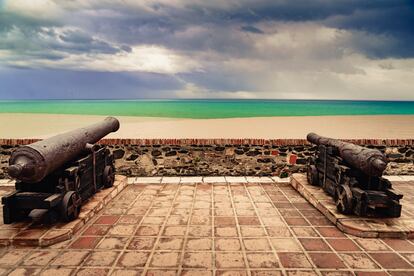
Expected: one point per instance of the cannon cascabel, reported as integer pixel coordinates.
(31, 163)
(371, 161)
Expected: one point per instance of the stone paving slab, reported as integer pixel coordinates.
(258, 179)
(7, 182)
(31, 234)
(207, 179)
(214, 179)
(236, 179)
(166, 180)
(402, 227)
(191, 179)
(211, 229)
(401, 178)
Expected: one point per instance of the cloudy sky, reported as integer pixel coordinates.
(281, 49)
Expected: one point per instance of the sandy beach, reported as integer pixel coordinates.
(46, 125)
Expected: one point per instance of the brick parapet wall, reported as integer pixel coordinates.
(203, 142)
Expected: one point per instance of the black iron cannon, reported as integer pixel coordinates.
(57, 175)
(352, 174)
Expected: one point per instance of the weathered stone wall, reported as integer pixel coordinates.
(170, 160)
(225, 157)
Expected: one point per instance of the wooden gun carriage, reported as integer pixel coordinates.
(352, 175)
(56, 176)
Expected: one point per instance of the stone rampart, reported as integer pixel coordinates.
(231, 157)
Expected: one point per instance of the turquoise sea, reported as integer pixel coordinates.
(209, 108)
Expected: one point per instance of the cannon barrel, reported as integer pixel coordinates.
(370, 161)
(31, 163)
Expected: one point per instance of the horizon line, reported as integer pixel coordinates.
(206, 99)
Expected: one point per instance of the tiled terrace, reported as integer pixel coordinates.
(212, 226)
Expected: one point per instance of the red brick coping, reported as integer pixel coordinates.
(401, 228)
(26, 234)
(275, 142)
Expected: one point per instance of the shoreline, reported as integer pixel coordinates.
(40, 125)
(185, 118)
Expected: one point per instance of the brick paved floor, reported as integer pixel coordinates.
(212, 229)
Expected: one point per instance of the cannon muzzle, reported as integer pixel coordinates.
(370, 161)
(15, 170)
(32, 163)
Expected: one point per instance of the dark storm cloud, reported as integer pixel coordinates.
(40, 37)
(76, 40)
(8, 20)
(394, 24)
(45, 84)
(395, 18)
(392, 19)
(305, 10)
(251, 29)
(41, 40)
(126, 25)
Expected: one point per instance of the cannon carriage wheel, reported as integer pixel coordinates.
(70, 206)
(108, 176)
(343, 199)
